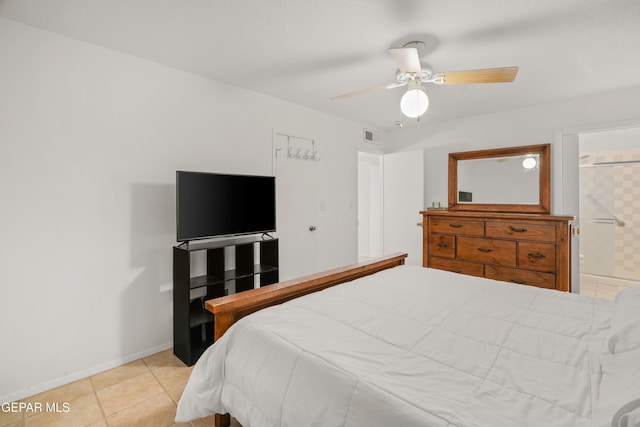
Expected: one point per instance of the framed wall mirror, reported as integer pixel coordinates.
(514, 179)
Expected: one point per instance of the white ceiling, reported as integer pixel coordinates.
(306, 51)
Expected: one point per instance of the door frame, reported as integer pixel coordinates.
(565, 181)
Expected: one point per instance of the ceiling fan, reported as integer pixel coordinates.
(410, 73)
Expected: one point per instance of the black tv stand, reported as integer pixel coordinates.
(211, 269)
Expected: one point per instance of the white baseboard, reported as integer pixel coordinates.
(39, 388)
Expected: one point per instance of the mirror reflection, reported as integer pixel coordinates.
(500, 180)
(511, 179)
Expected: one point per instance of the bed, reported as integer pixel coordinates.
(400, 345)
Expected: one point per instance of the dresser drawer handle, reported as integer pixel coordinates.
(455, 225)
(517, 230)
(487, 250)
(456, 271)
(536, 255)
(443, 245)
(518, 281)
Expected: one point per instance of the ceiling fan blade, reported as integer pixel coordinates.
(486, 75)
(370, 90)
(407, 59)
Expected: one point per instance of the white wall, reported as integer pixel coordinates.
(538, 124)
(618, 139)
(90, 140)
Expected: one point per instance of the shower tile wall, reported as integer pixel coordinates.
(610, 249)
(627, 255)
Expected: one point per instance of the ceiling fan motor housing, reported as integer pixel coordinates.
(424, 75)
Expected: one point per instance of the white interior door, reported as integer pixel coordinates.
(403, 201)
(370, 199)
(296, 210)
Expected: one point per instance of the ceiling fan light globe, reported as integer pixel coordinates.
(414, 102)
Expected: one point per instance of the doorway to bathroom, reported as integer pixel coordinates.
(609, 183)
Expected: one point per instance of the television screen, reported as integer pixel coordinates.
(212, 204)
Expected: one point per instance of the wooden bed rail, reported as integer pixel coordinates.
(229, 309)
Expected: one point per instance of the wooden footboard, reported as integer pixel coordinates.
(229, 309)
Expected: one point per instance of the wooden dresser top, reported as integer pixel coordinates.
(498, 215)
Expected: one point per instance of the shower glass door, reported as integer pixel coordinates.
(609, 218)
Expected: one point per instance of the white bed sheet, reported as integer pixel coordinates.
(412, 346)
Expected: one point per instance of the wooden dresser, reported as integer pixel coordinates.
(520, 248)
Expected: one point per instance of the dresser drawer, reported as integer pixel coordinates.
(442, 245)
(522, 277)
(454, 226)
(537, 256)
(463, 267)
(522, 248)
(491, 251)
(522, 231)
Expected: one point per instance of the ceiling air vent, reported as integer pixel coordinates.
(372, 137)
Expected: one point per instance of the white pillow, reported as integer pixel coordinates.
(619, 390)
(629, 296)
(628, 415)
(624, 334)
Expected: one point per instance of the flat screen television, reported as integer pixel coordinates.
(212, 205)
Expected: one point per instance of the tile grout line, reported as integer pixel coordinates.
(163, 388)
(95, 393)
(106, 419)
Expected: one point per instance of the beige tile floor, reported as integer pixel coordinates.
(140, 393)
(594, 289)
(598, 291)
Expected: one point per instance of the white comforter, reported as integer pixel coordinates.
(412, 346)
